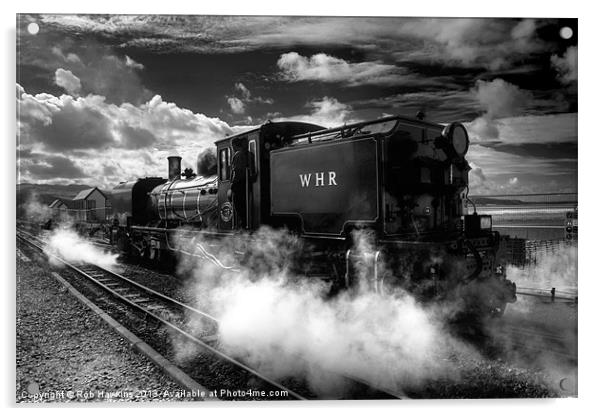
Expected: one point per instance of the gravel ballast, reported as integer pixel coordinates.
(487, 376)
(66, 353)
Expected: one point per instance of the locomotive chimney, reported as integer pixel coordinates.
(174, 167)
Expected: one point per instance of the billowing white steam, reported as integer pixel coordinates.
(68, 245)
(286, 326)
(36, 211)
(556, 269)
(284, 330)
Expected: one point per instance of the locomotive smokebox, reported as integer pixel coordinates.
(174, 167)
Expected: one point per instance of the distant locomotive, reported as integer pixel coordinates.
(401, 182)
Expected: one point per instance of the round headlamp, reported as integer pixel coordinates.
(458, 137)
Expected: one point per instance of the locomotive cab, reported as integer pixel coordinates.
(259, 142)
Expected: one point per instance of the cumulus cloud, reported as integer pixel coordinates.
(566, 65)
(478, 180)
(52, 167)
(133, 64)
(124, 140)
(497, 99)
(236, 105)
(244, 91)
(326, 68)
(70, 57)
(69, 82)
(243, 96)
(500, 98)
(327, 112)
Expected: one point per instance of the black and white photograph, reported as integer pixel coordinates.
(226, 208)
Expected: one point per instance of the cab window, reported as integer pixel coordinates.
(224, 163)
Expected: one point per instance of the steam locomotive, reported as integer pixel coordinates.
(398, 183)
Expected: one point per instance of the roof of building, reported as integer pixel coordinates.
(87, 192)
(57, 203)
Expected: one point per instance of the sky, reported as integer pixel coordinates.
(106, 98)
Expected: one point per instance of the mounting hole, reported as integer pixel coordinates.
(33, 28)
(566, 32)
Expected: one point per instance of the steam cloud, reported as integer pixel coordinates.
(35, 210)
(556, 269)
(68, 245)
(286, 326)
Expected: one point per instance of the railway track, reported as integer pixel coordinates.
(182, 318)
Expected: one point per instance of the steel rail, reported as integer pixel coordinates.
(169, 324)
(353, 378)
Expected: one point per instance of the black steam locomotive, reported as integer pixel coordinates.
(400, 184)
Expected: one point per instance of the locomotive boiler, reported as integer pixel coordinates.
(398, 184)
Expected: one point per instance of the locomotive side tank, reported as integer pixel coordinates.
(326, 186)
(395, 175)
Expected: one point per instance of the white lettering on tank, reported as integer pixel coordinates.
(319, 178)
(305, 178)
(331, 176)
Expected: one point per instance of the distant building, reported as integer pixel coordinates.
(58, 204)
(90, 205)
(59, 208)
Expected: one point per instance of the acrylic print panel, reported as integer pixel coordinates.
(284, 208)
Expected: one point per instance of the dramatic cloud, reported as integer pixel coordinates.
(70, 57)
(477, 178)
(51, 167)
(87, 98)
(566, 65)
(133, 64)
(491, 43)
(326, 68)
(113, 142)
(531, 154)
(497, 98)
(244, 91)
(440, 106)
(236, 105)
(68, 81)
(473, 42)
(500, 98)
(98, 68)
(327, 112)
